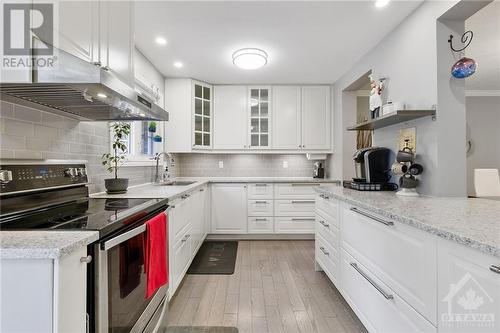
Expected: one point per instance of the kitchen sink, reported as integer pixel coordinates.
(177, 183)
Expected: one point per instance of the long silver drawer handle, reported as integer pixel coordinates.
(303, 219)
(326, 225)
(323, 250)
(302, 201)
(305, 184)
(260, 219)
(367, 278)
(261, 202)
(389, 223)
(495, 269)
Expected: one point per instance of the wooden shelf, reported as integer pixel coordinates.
(393, 118)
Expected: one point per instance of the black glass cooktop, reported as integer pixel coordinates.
(104, 215)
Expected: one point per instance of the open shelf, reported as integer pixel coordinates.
(399, 116)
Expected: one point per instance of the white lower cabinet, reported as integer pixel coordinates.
(293, 225)
(260, 225)
(229, 208)
(378, 307)
(181, 256)
(468, 289)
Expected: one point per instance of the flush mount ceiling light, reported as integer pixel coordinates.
(381, 3)
(249, 58)
(178, 64)
(161, 41)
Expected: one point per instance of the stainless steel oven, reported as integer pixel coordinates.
(120, 284)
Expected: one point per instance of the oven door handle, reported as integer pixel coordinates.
(123, 237)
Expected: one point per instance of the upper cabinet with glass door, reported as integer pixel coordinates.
(202, 99)
(260, 116)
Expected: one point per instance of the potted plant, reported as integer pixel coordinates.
(113, 160)
(152, 126)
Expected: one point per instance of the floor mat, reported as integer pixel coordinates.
(215, 257)
(201, 329)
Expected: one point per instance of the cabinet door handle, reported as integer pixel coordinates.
(495, 269)
(323, 250)
(324, 224)
(97, 63)
(185, 196)
(86, 260)
(202, 189)
(260, 219)
(384, 222)
(261, 202)
(302, 201)
(299, 146)
(373, 283)
(302, 219)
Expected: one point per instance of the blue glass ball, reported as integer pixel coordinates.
(463, 68)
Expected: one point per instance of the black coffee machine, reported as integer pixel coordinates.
(373, 169)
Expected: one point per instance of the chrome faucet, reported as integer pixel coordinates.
(165, 177)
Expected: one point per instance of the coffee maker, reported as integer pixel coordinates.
(318, 170)
(373, 169)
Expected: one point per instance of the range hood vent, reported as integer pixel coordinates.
(83, 91)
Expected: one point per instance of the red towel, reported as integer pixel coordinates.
(155, 254)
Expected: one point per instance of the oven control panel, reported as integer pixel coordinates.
(26, 177)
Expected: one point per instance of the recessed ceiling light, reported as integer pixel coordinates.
(249, 58)
(161, 41)
(381, 3)
(178, 64)
(101, 95)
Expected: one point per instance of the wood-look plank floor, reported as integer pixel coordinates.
(274, 289)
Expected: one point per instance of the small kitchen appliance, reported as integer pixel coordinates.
(373, 169)
(318, 170)
(53, 196)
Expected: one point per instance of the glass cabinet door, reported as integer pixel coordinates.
(202, 115)
(259, 117)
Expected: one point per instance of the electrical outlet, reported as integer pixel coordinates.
(285, 164)
(221, 164)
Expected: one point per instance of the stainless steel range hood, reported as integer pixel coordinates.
(82, 91)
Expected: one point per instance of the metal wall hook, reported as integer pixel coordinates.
(466, 39)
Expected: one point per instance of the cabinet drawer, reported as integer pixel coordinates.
(295, 191)
(260, 225)
(328, 231)
(328, 257)
(178, 218)
(377, 306)
(260, 208)
(327, 207)
(294, 207)
(180, 258)
(294, 225)
(260, 191)
(402, 256)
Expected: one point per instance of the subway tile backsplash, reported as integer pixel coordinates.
(243, 165)
(27, 133)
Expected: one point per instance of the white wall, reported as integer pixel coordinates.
(408, 56)
(483, 120)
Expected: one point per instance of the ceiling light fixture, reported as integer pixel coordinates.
(381, 3)
(161, 41)
(249, 58)
(178, 64)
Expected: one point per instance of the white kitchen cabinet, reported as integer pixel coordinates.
(148, 80)
(401, 256)
(116, 38)
(300, 191)
(196, 204)
(51, 293)
(179, 259)
(468, 289)
(286, 129)
(260, 225)
(294, 225)
(259, 111)
(229, 208)
(203, 115)
(260, 191)
(231, 117)
(316, 117)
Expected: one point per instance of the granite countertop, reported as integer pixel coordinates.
(153, 191)
(43, 244)
(471, 222)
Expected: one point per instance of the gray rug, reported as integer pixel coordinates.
(201, 329)
(215, 257)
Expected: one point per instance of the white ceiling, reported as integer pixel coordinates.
(307, 42)
(485, 48)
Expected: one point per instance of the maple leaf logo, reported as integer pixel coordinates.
(470, 301)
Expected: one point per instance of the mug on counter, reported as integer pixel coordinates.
(399, 168)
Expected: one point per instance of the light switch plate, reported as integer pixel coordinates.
(221, 164)
(409, 134)
(285, 164)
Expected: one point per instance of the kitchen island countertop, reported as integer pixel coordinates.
(471, 222)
